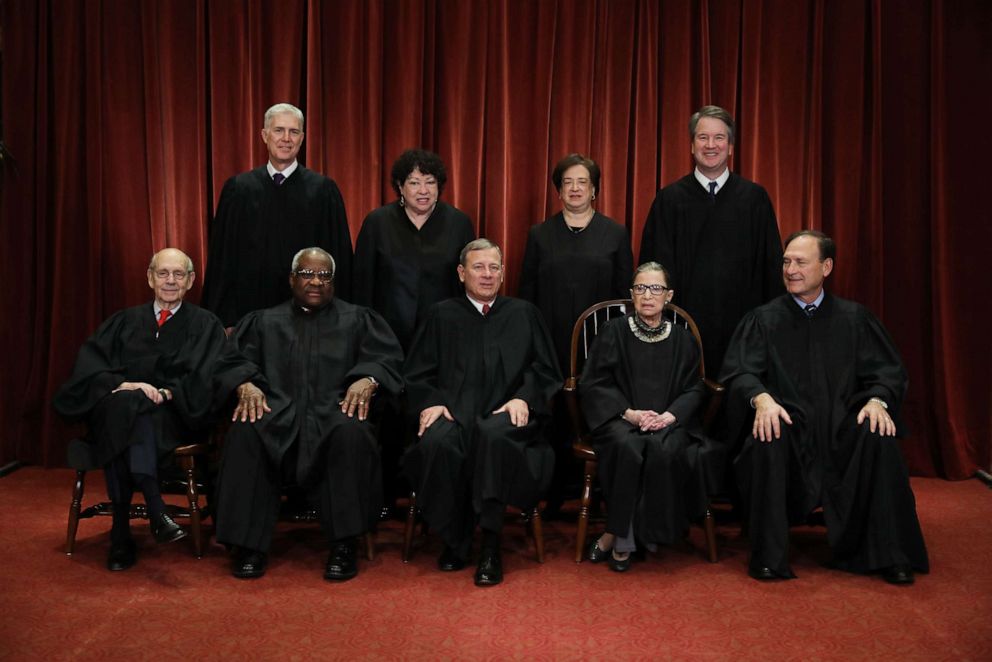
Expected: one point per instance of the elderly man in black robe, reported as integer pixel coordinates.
(264, 216)
(826, 385)
(480, 371)
(314, 364)
(145, 383)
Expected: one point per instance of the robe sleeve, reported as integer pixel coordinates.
(743, 370)
(340, 233)
(365, 267)
(771, 245)
(529, 272)
(542, 378)
(600, 395)
(880, 371)
(379, 354)
(96, 372)
(656, 241)
(623, 266)
(221, 267)
(422, 365)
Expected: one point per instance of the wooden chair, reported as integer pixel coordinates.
(585, 330)
(80, 458)
(531, 521)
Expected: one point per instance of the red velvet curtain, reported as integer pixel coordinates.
(863, 118)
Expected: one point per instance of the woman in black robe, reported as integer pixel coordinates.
(640, 390)
(574, 259)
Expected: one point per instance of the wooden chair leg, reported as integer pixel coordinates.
(411, 517)
(710, 528)
(74, 507)
(369, 539)
(193, 496)
(580, 543)
(537, 530)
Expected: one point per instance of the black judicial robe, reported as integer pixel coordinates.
(725, 257)
(305, 362)
(565, 272)
(258, 229)
(189, 355)
(823, 370)
(473, 364)
(661, 485)
(401, 271)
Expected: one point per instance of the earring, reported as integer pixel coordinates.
(402, 202)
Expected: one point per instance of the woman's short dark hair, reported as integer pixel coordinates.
(574, 160)
(426, 162)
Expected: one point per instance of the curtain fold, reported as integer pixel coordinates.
(858, 117)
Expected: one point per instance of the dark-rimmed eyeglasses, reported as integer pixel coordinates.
(641, 289)
(310, 274)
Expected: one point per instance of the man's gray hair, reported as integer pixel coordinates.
(481, 244)
(313, 250)
(189, 261)
(279, 109)
(716, 112)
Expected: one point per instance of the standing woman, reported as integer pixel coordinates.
(574, 259)
(406, 256)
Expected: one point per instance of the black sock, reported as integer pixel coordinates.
(490, 540)
(153, 498)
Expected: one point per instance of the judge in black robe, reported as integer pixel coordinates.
(827, 386)
(481, 371)
(724, 251)
(143, 388)
(260, 224)
(315, 363)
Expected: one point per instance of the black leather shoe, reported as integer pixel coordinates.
(449, 561)
(620, 565)
(490, 569)
(342, 562)
(122, 555)
(763, 574)
(898, 574)
(249, 564)
(165, 529)
(597, 555)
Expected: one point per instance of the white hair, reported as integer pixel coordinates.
(279, 109)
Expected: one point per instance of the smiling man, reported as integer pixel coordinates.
(145, 383)
(314, 365)
(480, 371)
(267, 214)
(821, 385)
(717, 233)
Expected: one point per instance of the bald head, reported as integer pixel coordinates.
(170, 275)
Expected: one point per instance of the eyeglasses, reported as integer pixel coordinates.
(164, 275)
(310, 274)
(641, 289)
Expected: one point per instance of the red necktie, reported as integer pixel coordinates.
(485, 309)
(163, 315)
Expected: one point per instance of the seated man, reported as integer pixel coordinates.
(481, 370)
(826, 385)
(144, 384)
(314, 363)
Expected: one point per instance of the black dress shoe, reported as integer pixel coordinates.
(165, 529)
(122, 555)
(763, 574)
(249, 563)
(449, 561)
(597, 555)
(490, 569)
(620, 565)
(898, 574)
(342, 562)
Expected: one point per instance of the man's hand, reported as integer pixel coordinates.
(251, 403)
(518, 410)
(878, 419)
(431, 414)
(358, 397)
(767, 416)
(150, 391)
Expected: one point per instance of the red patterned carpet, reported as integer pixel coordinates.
(673, 606)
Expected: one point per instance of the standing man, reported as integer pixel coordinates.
(313, 365)
(481, 371)
(264, 217)
(716, 232)
(145, 383)
(824, 384)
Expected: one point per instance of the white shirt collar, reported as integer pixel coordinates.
(816, 302)
(478, 304)
(704, 181)
(286, 172)
(157, 308)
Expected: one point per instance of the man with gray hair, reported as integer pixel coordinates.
(481, 371)
(312, 366)
(146, 382)
(267, 214)
(717, 233)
